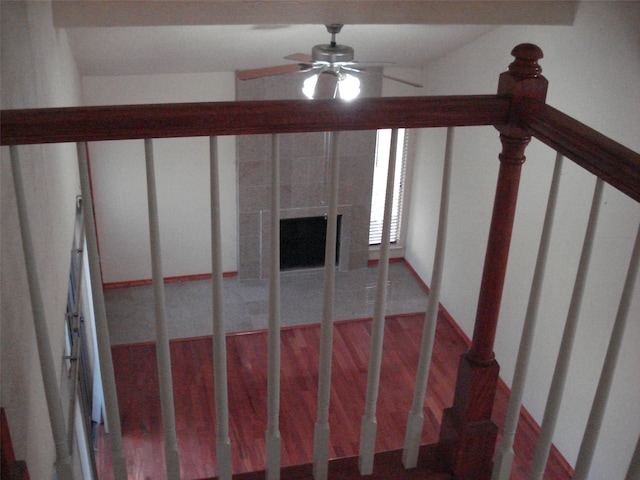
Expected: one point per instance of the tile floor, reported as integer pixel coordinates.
(189, 304)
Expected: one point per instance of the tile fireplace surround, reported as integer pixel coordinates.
(304, 179)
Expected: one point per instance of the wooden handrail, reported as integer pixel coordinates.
(616, 164)
(75, 124)
(605, 158)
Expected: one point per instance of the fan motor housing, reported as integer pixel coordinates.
(332, 53)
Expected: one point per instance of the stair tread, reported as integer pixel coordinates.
(388, 466)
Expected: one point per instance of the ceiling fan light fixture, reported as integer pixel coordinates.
(309, 85)
(332, 61)
(332, 54)
(348, 86)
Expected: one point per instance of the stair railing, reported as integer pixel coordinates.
(468, 435)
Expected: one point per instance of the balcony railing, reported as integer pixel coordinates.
(468, 436)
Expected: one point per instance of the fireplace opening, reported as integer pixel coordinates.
(302, 242)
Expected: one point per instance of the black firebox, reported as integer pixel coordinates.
(302, 242)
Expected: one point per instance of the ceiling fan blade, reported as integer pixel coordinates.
(270, 71)
(327, 86)
(300, 57)
(389, 77)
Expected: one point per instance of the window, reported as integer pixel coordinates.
(383, 146)
(80, 375)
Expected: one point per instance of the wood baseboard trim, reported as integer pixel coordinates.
(179, 278)
(265, 330)
(443, 311)
(374, 261)
(527, 418)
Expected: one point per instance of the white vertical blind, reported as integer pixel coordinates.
(383, 151)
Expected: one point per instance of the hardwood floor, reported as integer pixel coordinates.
(137, 383)
(388, 466)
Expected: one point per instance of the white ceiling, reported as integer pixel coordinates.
(183, 36)
(142, 50)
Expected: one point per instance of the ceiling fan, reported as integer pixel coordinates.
(333, 65)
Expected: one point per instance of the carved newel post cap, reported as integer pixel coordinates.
(526, 86)
(526, 63)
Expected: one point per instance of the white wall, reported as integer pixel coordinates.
(182, 176)
(37, 71)
(593, 68)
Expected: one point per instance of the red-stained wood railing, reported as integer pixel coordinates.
(614, 163)
(86, 124)
(602, 156)
(518, 111)
(468, 435)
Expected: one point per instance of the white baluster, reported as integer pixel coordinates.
(118, 461)
(368, 425)
(592, 430)
(415, 421)
(505, 454)
(558, 381)
(321, 430)
(633, 473)
(273, 439)
(223, 443)
(45, 355)
(163, 353)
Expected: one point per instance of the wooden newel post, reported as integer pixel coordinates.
(468, 435)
